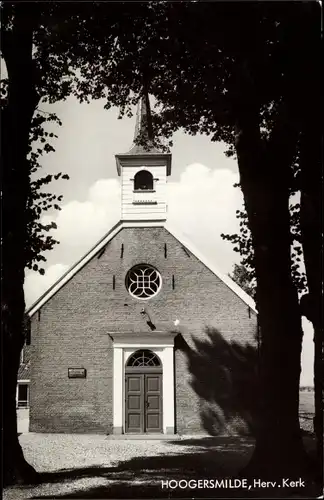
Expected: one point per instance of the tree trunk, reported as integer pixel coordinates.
(279, 450)
(264, 179)
(16, 121)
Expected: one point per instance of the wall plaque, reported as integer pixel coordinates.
(77, 372)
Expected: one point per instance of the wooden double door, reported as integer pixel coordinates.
(143, 398)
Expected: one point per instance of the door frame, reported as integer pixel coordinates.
(144, 371)
(124, 345)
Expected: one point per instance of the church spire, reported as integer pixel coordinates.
(144, 170)
(143, 142)
(143, 119)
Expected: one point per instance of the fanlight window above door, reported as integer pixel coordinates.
(144, 358)
(143, 181)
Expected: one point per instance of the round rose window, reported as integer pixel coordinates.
(143, 281)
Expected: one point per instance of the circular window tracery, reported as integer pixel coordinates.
(143, 281)
(143, 357)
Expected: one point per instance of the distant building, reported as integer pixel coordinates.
(22, 392)
(143, 334)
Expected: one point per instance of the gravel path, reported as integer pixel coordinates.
(96, 465)
(93, 466)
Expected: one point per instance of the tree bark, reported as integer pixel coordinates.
(16, 121)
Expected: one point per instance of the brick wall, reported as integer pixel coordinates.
(71, 329)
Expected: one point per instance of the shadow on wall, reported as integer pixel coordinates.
(224, 377)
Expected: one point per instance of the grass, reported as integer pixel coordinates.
(306, 402)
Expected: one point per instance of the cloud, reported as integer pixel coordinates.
(202, 205)
(81, 224)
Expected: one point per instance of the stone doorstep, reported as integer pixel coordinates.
(144, 437)
(171, 437)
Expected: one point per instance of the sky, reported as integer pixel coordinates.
(201, 198)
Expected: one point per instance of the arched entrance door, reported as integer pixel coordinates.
(143, 391)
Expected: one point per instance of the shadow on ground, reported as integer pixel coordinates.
(141, 477)
(205, 455)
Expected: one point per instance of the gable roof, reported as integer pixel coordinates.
(110, 235)
(24, 371)
(210, 265)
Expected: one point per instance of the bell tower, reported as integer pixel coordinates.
(143, 171)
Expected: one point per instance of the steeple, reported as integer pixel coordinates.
(143, 170)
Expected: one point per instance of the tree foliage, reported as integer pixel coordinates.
(242, 277)
(38, 202)
(242, 244)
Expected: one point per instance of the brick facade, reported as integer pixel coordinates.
(212, 351)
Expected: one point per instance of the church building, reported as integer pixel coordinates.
(143, 335)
